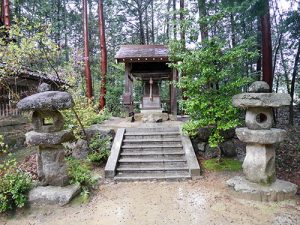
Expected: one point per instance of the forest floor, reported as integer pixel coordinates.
(207, 200)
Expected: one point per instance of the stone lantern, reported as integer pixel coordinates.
(48, 135)
(260, 181)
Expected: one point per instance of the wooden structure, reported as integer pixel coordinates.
(147, 63)
(15, 87)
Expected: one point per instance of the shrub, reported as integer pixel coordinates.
(14, 184)
(80, 173)
(14, 187)
(87, 113)
(100, 149)
(211, 74)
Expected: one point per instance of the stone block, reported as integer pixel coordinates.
(155, 117)
(278, 191)
(259, 87)
(259, 118)
(249, 100)
(97, 129)
(52, 168)
(49, 100)
(271, 136)
(259, 164)
(34, 138)
(81, 149)
(38, 121)
(229, 148)
(201, 146)
(53, 195)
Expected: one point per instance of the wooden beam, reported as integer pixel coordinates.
(174, 94)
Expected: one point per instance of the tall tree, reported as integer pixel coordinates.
(6, 13)
(181, 18)
(202, 15)
(103, 55)
(87, 69)
(174, 20)
(266, 45)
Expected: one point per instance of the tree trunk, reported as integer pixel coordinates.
(295, 70)
(103, 55)
(202, 14)
(266, 47)
(181, 18)
(258, 62)
(87, 69)
(285, 71)
(141, 27)
(65, 31)
(6, 14)
(152, 22)
(275, 54)
(168, 20)
(174, 20)
(232, 26)
(147, 26)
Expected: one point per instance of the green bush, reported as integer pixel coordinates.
(100, 149)
(80, 173)
(211, 75)
(14, 187)
(14, 184)
(87, 113)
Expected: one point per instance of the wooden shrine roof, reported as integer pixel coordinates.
(142, 53)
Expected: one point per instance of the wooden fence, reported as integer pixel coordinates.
(9, 99)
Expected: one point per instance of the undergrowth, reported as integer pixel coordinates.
(224, 164)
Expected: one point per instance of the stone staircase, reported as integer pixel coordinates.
(161, 153)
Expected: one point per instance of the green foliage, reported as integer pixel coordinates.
(80, 173)
(211, 74)
(87, 113)
(26, 48)
(222, 165)
(14, 184)
(100, 149)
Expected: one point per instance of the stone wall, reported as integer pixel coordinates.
(13, 129)
(231, 147)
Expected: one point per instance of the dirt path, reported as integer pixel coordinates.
(205, 201)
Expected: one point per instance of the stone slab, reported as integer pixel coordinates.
(248, 100)
(53, 194)
(52, 167)
(271, 136)
(49, 100)
(34, 138)
(259, 87)
(280, 190)
(111, 165)
(259, 163)
(190, 156)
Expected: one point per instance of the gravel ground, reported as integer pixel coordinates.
(204, 201)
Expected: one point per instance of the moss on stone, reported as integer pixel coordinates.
(224, 164)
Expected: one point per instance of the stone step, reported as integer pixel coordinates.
(146, 170)
(153, 156)
(156, 149)
(151, 160)
(160, 139)
(152, 164)
(153, 175)
(153, 151)
(143, 154)
(133, 136)
(152, 146)
(151, 129)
